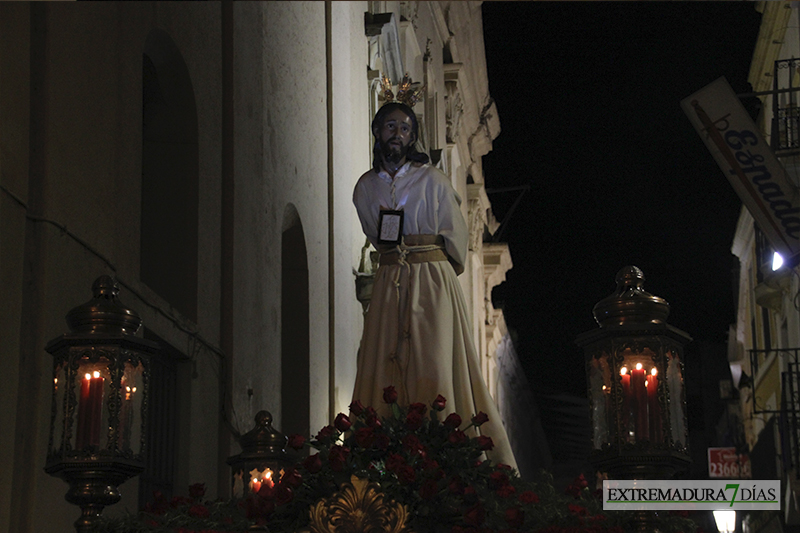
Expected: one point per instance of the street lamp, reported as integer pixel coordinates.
(634, 366)
(726, 521)
(100, 393)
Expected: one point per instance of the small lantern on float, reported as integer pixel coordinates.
(100, 391)
(634, 368)
(263, 458)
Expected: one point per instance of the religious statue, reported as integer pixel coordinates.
(417, 332)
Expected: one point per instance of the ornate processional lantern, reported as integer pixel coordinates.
(100, 391)
(263, 458)
(634, 369)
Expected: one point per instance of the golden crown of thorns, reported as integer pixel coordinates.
(405, 93)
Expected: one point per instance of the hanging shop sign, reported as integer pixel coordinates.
(747, 161)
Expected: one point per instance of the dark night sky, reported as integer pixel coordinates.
(589, 95)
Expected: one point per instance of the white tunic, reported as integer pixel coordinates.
(417, 334)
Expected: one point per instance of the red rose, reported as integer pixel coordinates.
(428, 489)
(417, 408)
(337, 457)
(357, 407)
(529, 497)
(456, 437)
(296, 441)
(452, 420)
(200, 511)
(266, 492)
(373, 421)
(394, 462)
(283, 494)
(342, 422)
(382, 441)
(578, 510)
(259, 508)
(313, 463)
(485, 443)
(429, 465)
(389, 394)
(413, 420)
(506, 491)
(470, 495)
(325, 433)
(475, 515)
(365, 437)
(292, 478)
(480, 418)
(515, 517)
(456, 486)
(439, 403)
(406, 474)
(498, 479)
(177, 501)
(197, 491)
(412, 444)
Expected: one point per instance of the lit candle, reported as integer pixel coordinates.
(258, 479)
(626, 399)
(653, 408)
(96, 408)
(126, 416)
(639, 391)
(84, 418)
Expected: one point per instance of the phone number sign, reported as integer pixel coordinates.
(726, 463)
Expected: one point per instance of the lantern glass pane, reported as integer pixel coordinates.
(600, 394)
(675, 383)
(92, 385)
(130, 416)
(60, 422)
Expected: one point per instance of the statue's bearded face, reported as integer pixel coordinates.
(396, 135)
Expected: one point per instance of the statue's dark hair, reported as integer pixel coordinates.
(413, 154)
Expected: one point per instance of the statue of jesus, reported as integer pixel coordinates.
(417, 333)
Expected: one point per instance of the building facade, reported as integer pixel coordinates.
(204, 155)
(764, 344)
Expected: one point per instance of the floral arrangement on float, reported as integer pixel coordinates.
(422, 469)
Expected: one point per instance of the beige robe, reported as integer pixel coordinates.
(417, 333)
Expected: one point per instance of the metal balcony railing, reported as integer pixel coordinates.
(785, 133)
(789, 419)
(788, 413)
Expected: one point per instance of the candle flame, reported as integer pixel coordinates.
(88, 376)
(604, 387)
(654, 371)
(623, 370)
(638, 366)
(128, 389)
(268, 474)
(646, 382)
(96, 374)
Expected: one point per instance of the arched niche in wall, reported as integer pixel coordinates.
(170, 168)
(295, 381)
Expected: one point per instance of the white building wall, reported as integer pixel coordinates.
(351, 157)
